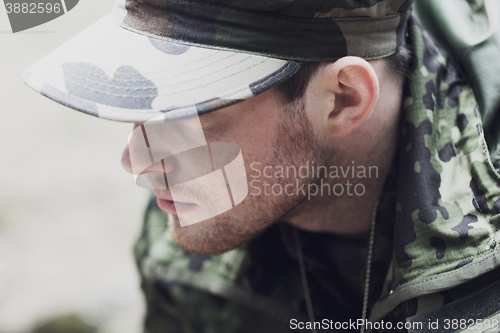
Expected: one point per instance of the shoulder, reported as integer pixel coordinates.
(472, 307)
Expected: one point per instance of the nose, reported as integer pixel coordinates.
(125, 160)
(175, 151)
(136, 156)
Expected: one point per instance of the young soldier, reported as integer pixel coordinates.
(369, 201)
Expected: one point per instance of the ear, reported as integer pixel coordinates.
(355, 87)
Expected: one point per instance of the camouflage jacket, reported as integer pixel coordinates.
(435, 252)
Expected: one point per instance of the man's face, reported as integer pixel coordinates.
(269, 135)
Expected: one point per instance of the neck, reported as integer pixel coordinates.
(349, 213)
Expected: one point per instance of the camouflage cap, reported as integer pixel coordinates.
(170, 57)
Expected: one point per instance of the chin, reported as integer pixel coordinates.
(213, 236)
(233, 228)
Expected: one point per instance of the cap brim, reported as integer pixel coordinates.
(113, 73)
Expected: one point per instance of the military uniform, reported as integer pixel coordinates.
(435, 252)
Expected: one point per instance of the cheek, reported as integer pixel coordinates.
(257, 138)
(252, 125)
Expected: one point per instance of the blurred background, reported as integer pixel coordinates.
(69, 214)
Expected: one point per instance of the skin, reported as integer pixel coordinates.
(349, 112)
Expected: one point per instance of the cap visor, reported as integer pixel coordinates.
(113, 73)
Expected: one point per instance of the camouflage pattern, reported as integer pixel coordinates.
(470, 31)
(170, 57)
(175, 79)
(323, 30)
(436, 233)
(447, 212)
(248, 289)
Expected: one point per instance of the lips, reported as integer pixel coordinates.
(166, 203)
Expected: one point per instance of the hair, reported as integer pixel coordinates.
(294, 88)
